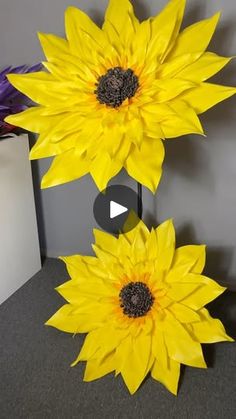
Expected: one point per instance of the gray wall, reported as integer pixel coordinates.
(199, 182)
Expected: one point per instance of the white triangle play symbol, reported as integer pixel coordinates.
(116, 209)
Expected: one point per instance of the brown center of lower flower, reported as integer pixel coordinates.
(136, 299)
(115, 86)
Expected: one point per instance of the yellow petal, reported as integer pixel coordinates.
(151, 245)
(103, 169)
(77, 22)
(183, 314)
(140, 44)
(165, 233)
(183, 120)
(179, 291)
(208, 330)
(76, 266)
(106, 241)
(130, 234)
(65, 168)
(122, 18)
(204, 68)
(96, 369)
(103, 256)
(171, 88)
(195, 38)
(99, 343)
(204, 294)
(170, 68)
(180, 345)
(144, 164)
(89, 348)
(168, 376)
(165, 28)
(41, 87)
(32, 119)
(53, 45)
(138, 249)
(67, 320)
(207, 95)
(191, 257)
(76, 292)
(159, 348)
(44, 148)
(135, 365)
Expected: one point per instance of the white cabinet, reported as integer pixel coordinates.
(19, 244)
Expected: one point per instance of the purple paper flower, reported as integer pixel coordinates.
(11, 100)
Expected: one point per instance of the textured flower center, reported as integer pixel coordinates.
(115, 86)
(136, 299)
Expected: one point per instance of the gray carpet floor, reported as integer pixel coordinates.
(36, 380)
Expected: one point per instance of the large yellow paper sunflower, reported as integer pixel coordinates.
(142, 303)
(111, 95)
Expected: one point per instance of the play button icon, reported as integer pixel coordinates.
(114, 205)
(116, 209)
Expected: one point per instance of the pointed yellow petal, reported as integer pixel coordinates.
(204, 294)
(179, 291)
(140, 44)
(183, 120)
(41, 87)
(159, 349)
(44, 148)
(171, 88)
(32, 119)
(96, 368)
(89, 348)
(67, 320)
(208, 330)
(78, 24)
(151, 245)
(165, 28)
(121, 17)
(65, 168)
(195, 38)
(76, 292)
(168, 376)
(183, 314)
(135, 366)
(204, 68)
(144, 165)
(105, 257)
(106, 241)
(207, 95)
(130, 234)
(103, 168)
(170, 68)
(180, 345)
(191, 257)
(53, 45)
(81, 268)
(165, 233)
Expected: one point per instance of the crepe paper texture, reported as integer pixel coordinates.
(141, 301)
(11, 100)
(111, 95)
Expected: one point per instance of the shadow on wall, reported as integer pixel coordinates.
(38, 198)
(218, 259)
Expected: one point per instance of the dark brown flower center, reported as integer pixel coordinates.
(136, 299)
(115, 86)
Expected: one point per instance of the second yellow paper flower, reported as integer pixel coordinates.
(141, 301)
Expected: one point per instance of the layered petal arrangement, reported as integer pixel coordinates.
(11, 100)
(141, 301)
(111, 95)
